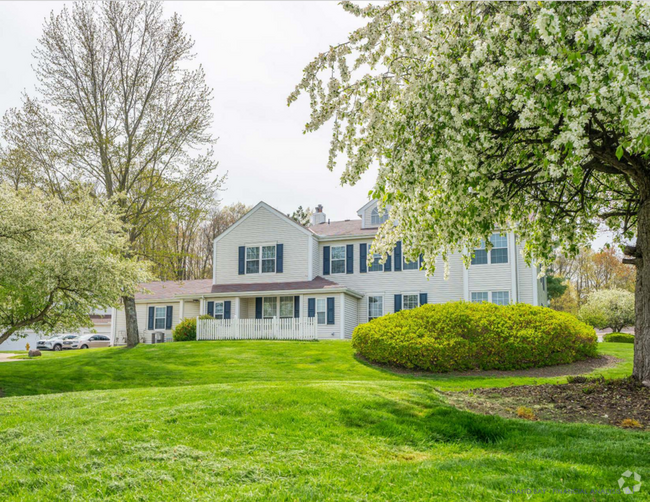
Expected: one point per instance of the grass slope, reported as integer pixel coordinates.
(280, 421)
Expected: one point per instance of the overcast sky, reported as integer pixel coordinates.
(253, 54)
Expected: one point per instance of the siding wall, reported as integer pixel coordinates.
(142, 311)
(325, 331)
(263, 227)
(351, 315)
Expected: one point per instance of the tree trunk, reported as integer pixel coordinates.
(641, 369)
(132, 337)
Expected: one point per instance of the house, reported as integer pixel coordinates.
(268, 266)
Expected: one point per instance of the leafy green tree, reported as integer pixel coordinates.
(119, 108)
(301, 216)
(529, 117)
(609, 308)
(555, 286)
(60, 261)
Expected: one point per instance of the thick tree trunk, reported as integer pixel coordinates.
(641, 369)
(132, 337)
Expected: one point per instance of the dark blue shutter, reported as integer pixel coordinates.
(398, 303)
(349, 258)
(296, 306)
(151, 314)
(311, 307)
(258, 307)
(211, 309)
(363, 257)
(279, 258)
(398, 256)
(330, 311)
(420, 259)
(226, 309)
(423, 299)
(326, 260)
(242, 260)
(168, 320)
(387, 265)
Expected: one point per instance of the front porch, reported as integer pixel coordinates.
(297, 328)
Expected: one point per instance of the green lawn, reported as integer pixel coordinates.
(282, 421)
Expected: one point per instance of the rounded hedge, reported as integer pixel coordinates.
(619, 338)
(185, 331)
(466, 336)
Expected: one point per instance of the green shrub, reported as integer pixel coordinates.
(619, 338)
(608, 308)
(185, 330)
(466, 336)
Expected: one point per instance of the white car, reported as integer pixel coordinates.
(56, 342)
(89, 341)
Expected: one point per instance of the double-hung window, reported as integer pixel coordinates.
(499, 251)
(375, 307)
(410, 265)
(160, 318)
(270, 307)
(479, 296)
(501, 297)
(286, 306)
(260, 258)
(410, 301)
(376, 265)
(321, 310)
(218, 310)
(338, 260)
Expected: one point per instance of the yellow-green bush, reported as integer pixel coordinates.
(619, 338)
(466, 336)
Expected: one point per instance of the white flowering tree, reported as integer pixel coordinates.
(59, 261)
(529, 117)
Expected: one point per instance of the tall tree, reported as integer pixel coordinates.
(60, 261)
(119, 108)
(530, 117)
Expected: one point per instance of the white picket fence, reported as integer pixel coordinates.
(304, 328)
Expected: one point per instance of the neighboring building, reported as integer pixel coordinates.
(267, 265)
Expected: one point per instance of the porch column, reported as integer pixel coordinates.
(181, 310)
(237, 308)
(202, 306)
(342, 316)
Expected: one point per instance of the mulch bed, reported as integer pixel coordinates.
(593, 400)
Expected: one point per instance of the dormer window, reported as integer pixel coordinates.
(377, 220)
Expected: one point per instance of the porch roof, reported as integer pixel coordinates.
(204, 287)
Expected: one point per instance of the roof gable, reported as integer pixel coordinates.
(262, 205)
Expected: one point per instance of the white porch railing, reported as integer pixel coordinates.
(303, 328)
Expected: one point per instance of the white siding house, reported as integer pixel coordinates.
(269, 267)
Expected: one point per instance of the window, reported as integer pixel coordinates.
(410, 302)
(260, 258)
(480, 255)
(377, 220)
(410, 265)
(286, 306)
(253, 260)
(501, 297)
(338, 260)
(160, 318)
(321, 310)
(269, 307)
(376, 265)
(499, 251)
(218, 310)
(375, 307)
(478, 297)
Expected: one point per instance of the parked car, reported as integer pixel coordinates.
(56, 342)
(90, 341)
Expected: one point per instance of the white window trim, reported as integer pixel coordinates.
(260, 246)
(293, 300)
(316, 311)
(380, 217)
(411, 293)
(489, 293)
(345, 259)
(277, 306)
(416, 269)
(489, 253)
(278, 299)
(156, 317)
(374, 256)
(383, 304)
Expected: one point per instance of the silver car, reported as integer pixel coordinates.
(90, 341)
(56, 342)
